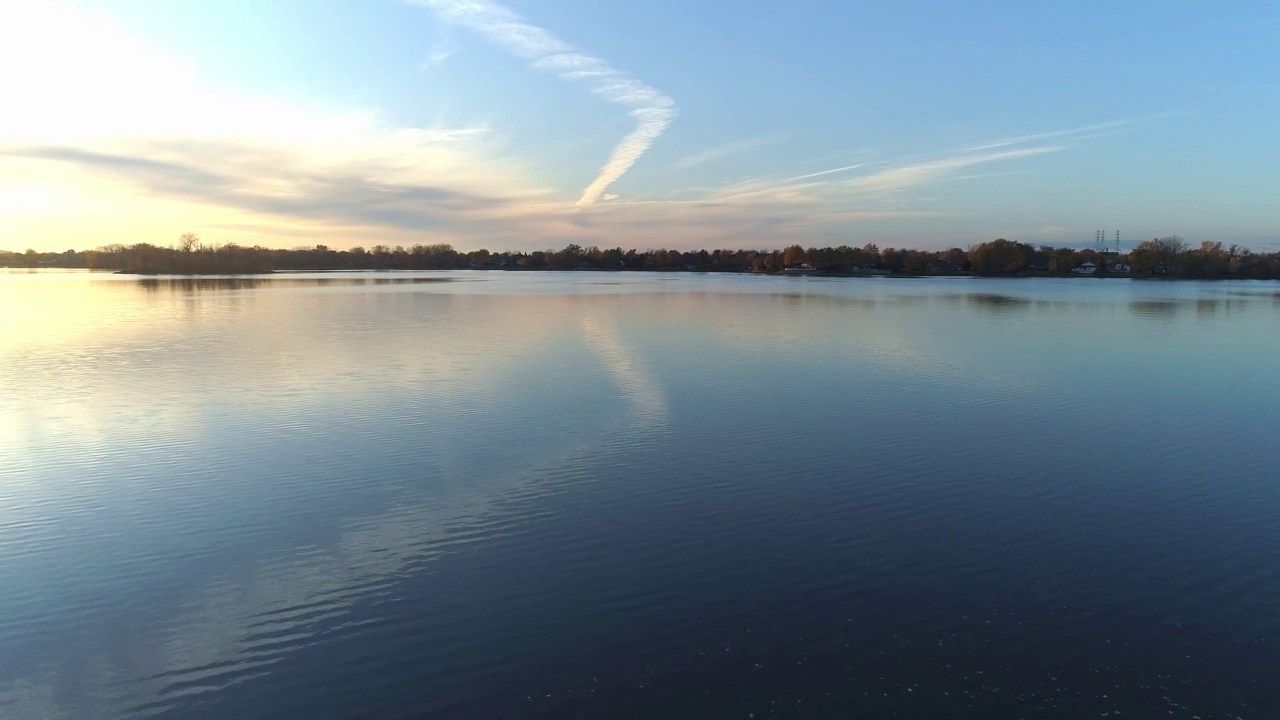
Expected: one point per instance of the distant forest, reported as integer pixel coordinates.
(1160, 257)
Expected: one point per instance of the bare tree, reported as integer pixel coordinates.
(1168, 251)
(188, 242)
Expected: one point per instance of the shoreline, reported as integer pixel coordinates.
(1159, 259)
(687, 271)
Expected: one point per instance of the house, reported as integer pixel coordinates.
(1088, 268)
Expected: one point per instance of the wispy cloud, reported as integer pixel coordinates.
(729, 149)
(894, 177)
(652, 110)
(832, 171)
(920, 173)
(437, 57)
(1076, 133)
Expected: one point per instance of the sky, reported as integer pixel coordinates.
(531, 124)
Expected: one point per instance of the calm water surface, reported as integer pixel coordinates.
(623, 495)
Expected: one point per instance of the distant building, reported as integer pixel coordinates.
(1087, 268)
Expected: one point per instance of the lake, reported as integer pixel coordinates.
(593, 495)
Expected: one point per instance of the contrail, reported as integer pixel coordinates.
(652, 110)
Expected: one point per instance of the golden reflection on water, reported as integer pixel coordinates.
(80, 351)
(108, 359)
(99, 365)
(297, 357)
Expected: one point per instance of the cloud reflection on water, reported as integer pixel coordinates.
(240, 623)
(284, 357)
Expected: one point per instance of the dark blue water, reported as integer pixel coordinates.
(507, 495)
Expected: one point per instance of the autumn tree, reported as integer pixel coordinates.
(794, 255)
(567, 258)
(1000, 257)
(915, 261)
(871, 254)
(1160, 256)
(892, 259)
(1062, 260)
(612, 258)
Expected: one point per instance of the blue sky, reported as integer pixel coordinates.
(525, 125)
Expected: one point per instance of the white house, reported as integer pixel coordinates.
(1086, 269)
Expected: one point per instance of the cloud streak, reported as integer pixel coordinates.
(1075, 133)
(652, 110)
(730, 149)
(911, 175)
(821, 186)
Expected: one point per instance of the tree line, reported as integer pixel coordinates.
(1160, 257)
(1168, 256)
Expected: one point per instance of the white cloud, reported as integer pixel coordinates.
(821, 187)
(436, 58)
(1077, 133)
(913, 174)
(100, 87)
(833, 171)
(101, 104)
(719, 152)
(652, 110)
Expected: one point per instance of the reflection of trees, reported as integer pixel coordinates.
(190, 284)
(999, 303)
(1154, 308)
(798, 301)
(1229, 305)
(1203, 307)
(206, 283)
(1206, 307)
